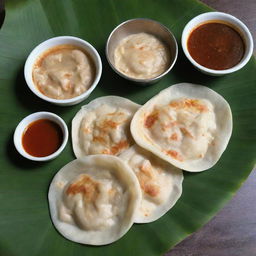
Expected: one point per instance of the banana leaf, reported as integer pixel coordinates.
(25, 225)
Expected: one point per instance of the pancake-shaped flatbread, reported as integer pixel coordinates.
(187, 125)
(93, 200)
(160, 183)
(103, 126)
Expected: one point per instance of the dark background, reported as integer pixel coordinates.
(232, 232)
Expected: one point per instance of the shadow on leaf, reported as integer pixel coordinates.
(18, 160)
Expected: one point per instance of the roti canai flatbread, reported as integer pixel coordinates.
(103, 126)
(187, 125)
(93, 200)
(160, 183)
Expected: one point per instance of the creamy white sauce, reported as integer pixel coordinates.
(141, 56)
(183, 129)
(63, 72)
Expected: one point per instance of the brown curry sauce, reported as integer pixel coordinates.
(216, 45)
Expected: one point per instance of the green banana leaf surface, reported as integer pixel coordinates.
(25, 224)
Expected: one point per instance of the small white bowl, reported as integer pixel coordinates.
(17, 138)
(229, 19)
(38, 50)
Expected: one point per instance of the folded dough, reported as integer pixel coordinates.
(103, 126)
(187, 125)
(93, 200)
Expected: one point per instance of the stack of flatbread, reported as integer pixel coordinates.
(130, 160)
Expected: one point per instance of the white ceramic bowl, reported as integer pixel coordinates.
(17, 138)
(229, 19)
(38, 50)
(139, 25)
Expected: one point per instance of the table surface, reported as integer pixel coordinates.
(232, 232)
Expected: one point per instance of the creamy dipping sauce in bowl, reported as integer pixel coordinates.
(141, 56)
(63, 72)
(141, 50)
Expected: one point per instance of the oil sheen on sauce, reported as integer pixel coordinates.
(42, 138)
(216, 45)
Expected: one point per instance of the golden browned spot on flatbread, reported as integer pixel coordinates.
(174, 136)
(151, 119)
(146, 178)
(99, 139)
(192, 104)
(117, 148)
(151, 189)
(186, 132)
(86, 130)
(110, 124)
(116, 114)
(86, 186)
(169, 125)
(174, 154)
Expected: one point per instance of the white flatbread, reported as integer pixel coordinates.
(187, 125)
(93, 200)
(160, 183)
(103, 126)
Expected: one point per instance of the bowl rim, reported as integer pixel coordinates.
(18, 133)
(208, 17)
(142, 80)
(28, 67)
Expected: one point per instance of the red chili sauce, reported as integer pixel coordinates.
(216, 46)
(42, 138)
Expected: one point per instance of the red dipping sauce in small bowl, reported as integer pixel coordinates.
(42, 138)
